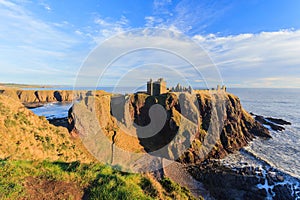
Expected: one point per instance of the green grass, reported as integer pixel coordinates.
(174, 189)
(97, 180)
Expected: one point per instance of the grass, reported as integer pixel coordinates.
(97, 181)
(9, 123)
(174, 189)
(29, 137)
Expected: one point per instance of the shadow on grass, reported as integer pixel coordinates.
(68, 167)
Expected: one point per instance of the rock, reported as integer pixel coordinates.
(33, 98)
(240, 183)
(274, 123)
(59, 122)
(270, 179)
(223, 183)
(262, 120)
(217, 122)
(279, 178)
(278, 121)
(283, 192)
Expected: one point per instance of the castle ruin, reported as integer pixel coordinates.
(156, 87)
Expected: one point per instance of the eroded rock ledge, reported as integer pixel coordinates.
(274, 123)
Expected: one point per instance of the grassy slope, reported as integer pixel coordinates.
(39, 160)
(29, 137)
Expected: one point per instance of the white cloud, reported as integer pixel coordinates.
(106, 28)
(248, 58)
(47, 7)
(149, 21)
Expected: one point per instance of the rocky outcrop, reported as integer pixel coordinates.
(178, 126)
(274, 123)
(35, 98)
(246, 182)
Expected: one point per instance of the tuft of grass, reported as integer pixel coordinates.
(175, 190)
(22, 118)
(3, 110)
(8, 123)
(148, 187)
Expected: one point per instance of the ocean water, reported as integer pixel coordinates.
(283, 150)
(53, 110)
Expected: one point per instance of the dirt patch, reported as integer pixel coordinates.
(51, 189)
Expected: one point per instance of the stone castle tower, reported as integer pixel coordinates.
(157, 87)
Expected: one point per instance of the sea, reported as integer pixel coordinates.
(281, 152)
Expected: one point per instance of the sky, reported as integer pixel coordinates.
(251, 43)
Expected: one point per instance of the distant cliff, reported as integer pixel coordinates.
(185, 122)
(33, 98)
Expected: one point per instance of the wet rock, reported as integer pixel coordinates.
(283, 192)
(241, 182)
(270, 179)
(278, 121)
(224, 183)
(279, 178)
(274, 127)
(274, 123)
(59, 121)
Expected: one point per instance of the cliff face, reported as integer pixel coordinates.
(180, 126)
(32, 98)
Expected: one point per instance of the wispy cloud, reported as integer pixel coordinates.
(32, 44)
(105, 27)
(46, 6)
(252, 58)
(187, 16)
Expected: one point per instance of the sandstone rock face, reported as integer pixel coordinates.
(33, 98)
(177, 126)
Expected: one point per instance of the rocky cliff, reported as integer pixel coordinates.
(33, 98)
(178, 126)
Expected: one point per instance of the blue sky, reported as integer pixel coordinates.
(254, 43)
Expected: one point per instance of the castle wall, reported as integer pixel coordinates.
(157, 87)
